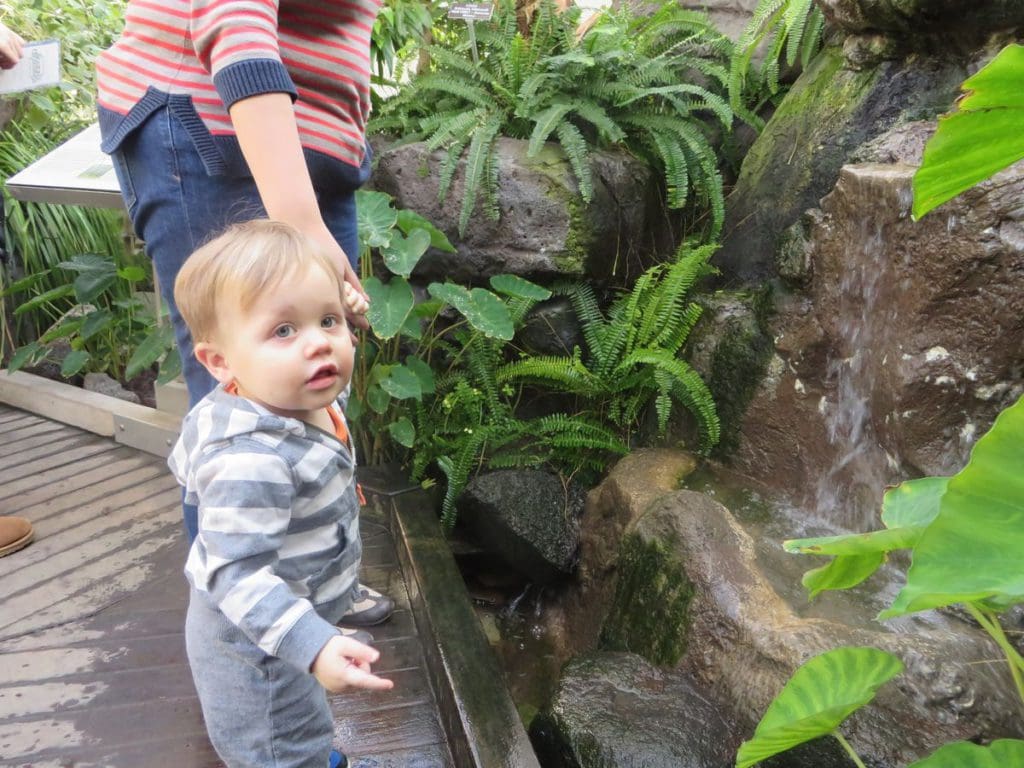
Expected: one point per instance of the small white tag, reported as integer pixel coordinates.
(39, 67)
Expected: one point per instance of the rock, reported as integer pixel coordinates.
(544, 229)
(577, 612)
(831, 110)
(528, 518)
(104, 385)
(552, 328)
(903, 349)
(730, 349)
(615, 709)
(743, 638)
(917, 18)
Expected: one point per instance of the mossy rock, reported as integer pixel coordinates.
(649, 613)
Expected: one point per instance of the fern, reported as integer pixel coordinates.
(631, 361)
(604, 90)
(793, 29)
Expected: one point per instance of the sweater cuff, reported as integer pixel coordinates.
(253, 77)
(305, 640)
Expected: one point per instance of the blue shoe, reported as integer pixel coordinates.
(338, 760)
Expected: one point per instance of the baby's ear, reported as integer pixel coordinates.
(213, 360)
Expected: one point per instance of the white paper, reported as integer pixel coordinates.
(39, 67)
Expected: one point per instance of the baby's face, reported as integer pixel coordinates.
(291, 351)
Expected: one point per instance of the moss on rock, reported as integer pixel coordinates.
(649, 614)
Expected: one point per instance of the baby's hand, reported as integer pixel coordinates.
(345, 663)
(355, 302)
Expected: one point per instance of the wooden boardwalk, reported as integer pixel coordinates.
(92, 657)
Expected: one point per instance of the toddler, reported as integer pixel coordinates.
(268, 460)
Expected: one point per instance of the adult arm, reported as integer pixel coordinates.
(237, 41)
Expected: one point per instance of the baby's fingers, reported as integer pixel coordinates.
(356, 677)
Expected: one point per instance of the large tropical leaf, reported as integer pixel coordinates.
(375, 218)
(819, 696)
(1003, 753)
(907, 510)
(402, 254)
(483, 310)
(972, 549)
(390, 304)
(982, 137)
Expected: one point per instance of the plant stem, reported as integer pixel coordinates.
(849, 750)
(990, 623)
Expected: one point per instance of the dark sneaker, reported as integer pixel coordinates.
(338, 760)
(358, 635)
(369, 609)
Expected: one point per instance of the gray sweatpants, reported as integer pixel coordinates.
(260, 711)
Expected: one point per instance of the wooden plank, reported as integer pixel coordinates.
(102, 537)
(90, 588)
(35, 434)
(383, 730)
(52, 476)
(50, 446)
(23, 476)
(120, 462)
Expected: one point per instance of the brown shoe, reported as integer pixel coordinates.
(15, 533)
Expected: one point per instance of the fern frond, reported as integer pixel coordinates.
(576, 150)
(795, 22)
(479, 149)
(545, 124)
(812, 36)
(595, 114)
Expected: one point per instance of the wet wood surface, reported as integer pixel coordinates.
(92, 654)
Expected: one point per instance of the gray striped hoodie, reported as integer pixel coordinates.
(278, 548)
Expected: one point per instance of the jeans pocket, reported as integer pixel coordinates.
(124, 179)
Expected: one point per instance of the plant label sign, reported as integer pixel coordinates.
(39, 67)
(471, 11)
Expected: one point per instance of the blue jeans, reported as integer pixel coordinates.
(182, 187)
(258, 709)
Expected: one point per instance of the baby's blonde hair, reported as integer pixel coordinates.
(251, 259)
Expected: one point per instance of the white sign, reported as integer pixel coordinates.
(471, 11)
(39, 67)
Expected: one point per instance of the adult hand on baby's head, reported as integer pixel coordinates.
(345, 663)
(10, 47)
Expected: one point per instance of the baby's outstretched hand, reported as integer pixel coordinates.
(345, 663)
(355, 302)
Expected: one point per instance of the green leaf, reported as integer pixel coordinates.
(983, 137)
(47, 297)
(401, 383)
(132, 274)
(841, 573)
(152, 348)
(410, 220)
(95, 322)
(423, 372)
(375, 217)
(67, 327)
(972, 549)
(484, 311)
(75, 361)
(95, 275)
(517, 287)
(907, 510)
(403, 253)
(820, 695)
(377, 398)
(390, 303)
(24, 356)
(1002, 753)
(403, 432)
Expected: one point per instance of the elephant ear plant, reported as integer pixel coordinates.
(965, 534)
(427, 388)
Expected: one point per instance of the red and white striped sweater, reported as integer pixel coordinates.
(221, 51)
